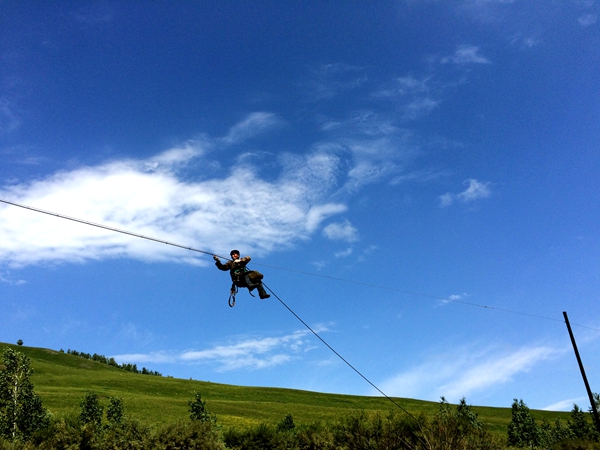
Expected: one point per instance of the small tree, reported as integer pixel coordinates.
(91, 410)
(287, 423)
(578, 425)
(198, 410)
(21, 410)
(20, 342)
(115, 410)
(522, 429)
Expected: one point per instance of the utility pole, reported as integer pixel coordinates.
(585, 381)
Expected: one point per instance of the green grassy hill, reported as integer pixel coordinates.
(62, 380)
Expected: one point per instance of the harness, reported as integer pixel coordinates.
(241, 278)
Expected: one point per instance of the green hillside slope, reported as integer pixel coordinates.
(61, 380)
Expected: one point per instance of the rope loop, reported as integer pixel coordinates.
(232, 292)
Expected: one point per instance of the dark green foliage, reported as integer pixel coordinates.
(115, 410)
(576, 444)
(376, 431)
(550, 435)
(578, 425)
(316, 436)
(524, 432)
(522, 429)
(198, 410)
(69, 433)
(111, 362)
(261, 437)
(287, 424)
(457, 429)
(21, 410)
(20, 342)
(191, 435)
(127, 435)
(91, 410)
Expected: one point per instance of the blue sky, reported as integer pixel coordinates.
(418, 181)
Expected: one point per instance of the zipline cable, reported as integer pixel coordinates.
(129, 233)
(105, 227)
(337, 354)
(436, 297)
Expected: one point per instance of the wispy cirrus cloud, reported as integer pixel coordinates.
(565, 405)
(476, 190)
(9, 120)
(461, 372)
(330, 80)
(466, 54)
(587, 20)
(416, 97)
(253, 125)
(251, 353)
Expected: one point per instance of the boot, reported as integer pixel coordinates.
(261, 292)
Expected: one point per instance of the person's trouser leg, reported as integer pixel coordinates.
(261, 291)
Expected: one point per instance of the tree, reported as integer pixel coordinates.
(115, 410)
(287, 423)
(21, 410)
(198, 410)
(91, 410)
(578, 425)
(522, 429)
(456, 429)
(20, 342)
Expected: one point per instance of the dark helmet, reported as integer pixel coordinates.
(234, 251)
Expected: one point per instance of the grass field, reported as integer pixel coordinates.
(62, 380)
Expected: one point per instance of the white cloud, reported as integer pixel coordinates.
(344, 253)
(154, 197)
(565, 405)
(460, 372)
(415, 96)
(250, 353)
(525, 42)
(474, 191)
(341, 231)
(466, 54)
(167, 198)
(12, 282)
(251, 126)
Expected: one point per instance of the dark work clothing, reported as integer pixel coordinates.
(241, 276)
(236, 270)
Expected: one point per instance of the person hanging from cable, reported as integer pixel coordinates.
(241, 276)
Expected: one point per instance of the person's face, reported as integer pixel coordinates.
(235, 256)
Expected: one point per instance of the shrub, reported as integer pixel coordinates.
(459, 429)
(115, 410)
(287, 424)
(198, 410)
(360, 430)
(91, 410)
(315, 436)
(191, 435)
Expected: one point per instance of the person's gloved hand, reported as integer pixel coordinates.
(215, 257)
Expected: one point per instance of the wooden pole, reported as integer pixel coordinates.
(585, 381)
